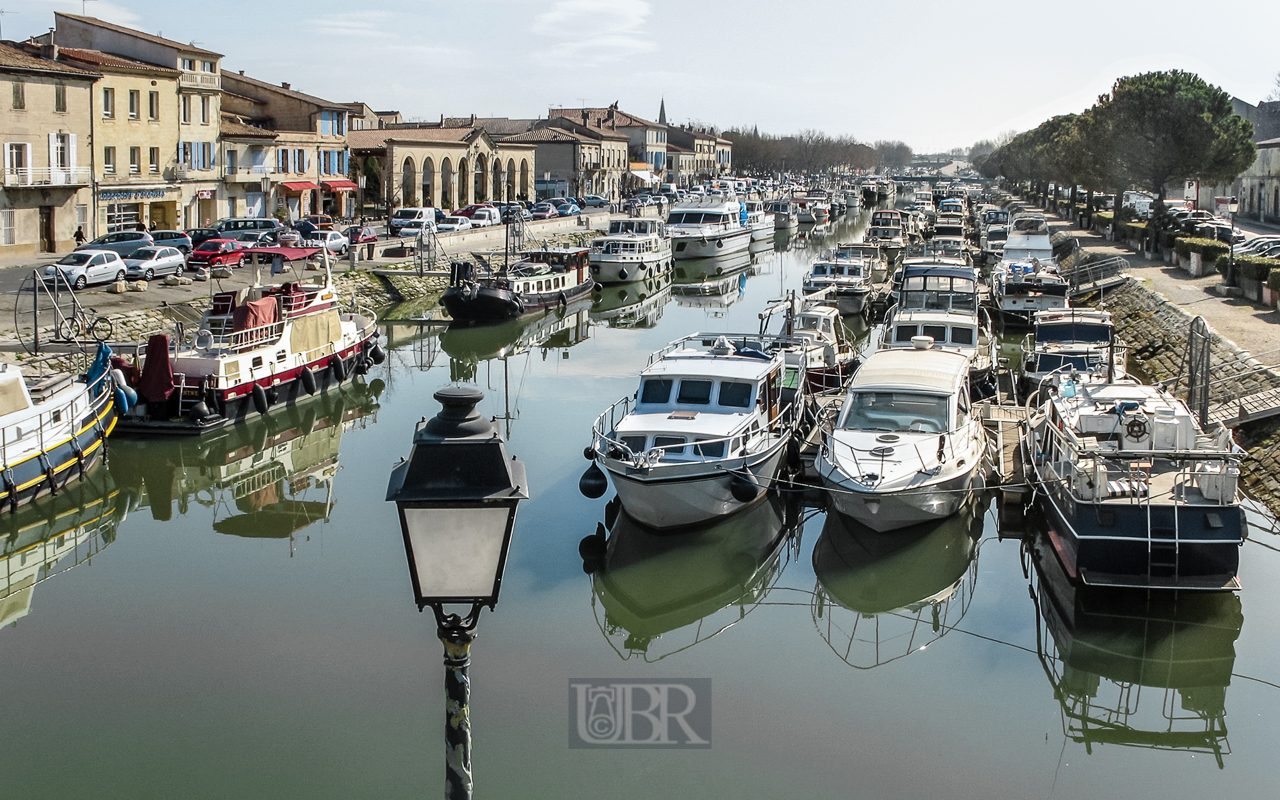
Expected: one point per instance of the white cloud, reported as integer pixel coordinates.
(595, 31)
(365, 24)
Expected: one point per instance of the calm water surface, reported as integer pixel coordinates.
(238, 621)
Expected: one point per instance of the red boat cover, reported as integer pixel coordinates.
(157, 372)
(255, 314)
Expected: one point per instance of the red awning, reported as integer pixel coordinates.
(298, 186)
(287, 253)
(340, 186)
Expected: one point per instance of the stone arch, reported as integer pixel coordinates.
(446, 185)
(408, 183)
(428, 182)
(497, 183)
(525, 193)
(480, 179)
(464, 178)
(511, 179)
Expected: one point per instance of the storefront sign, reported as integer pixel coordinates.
(204, 194)
(137, 194)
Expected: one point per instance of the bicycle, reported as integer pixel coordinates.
(78, 324)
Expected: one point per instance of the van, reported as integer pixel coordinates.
(241, 224)
(425, 216)
(667, 188)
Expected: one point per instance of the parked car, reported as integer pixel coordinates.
(217, 253)
(1189, 222)
(332, 241)
(411, 230)
(485, 218)
(470, 210)
(454, 223)
(80, 268)
(559, 201)
(201, 235)
(594, 201)
(404, 216)
(148, 262)
(236, 224)
(322, 222)
(256, 238)
(121, 242)
(1257, 244)
(177, 239)
(569, 210)
(360, 235)
(1222, 231)
(544, 211)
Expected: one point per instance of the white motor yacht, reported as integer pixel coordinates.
(907, 448)
(707, 431)
(633, 249)
(1073, 341)
(785, 216)
(707, 227)
(759, 221)
(848, 272)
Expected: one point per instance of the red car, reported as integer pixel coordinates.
(358, 235)
(473, 208)
(217, 253)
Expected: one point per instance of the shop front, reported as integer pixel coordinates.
(137, 209)
(338, 198)
(299, 197)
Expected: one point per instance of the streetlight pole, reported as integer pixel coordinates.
(1233, 205)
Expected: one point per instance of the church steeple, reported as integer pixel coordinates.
(662, 112)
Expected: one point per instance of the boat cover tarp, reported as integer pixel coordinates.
(255, 314)
(12, 398)
(313, 331)
(157, 372)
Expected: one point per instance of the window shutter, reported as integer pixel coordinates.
(71, 152)
(53, 151)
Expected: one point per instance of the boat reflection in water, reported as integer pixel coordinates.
(697, 271)
(266, 479)
(52, 535)
(468, 346)
(782, 241)
(715, 293)
(684, 589)
(884, 596)
(633, 305)
(1136, 667)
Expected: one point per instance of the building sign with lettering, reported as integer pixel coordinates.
(136, 194)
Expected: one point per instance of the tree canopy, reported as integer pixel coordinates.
(809, 151)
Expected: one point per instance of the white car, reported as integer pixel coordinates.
(148, 262)
(455, 224)
(486, 217)
(332, 241)
(80, 268)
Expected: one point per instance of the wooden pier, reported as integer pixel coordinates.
(1249, 408)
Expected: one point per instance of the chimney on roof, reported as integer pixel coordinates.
(49, 50)
(284, 85)
(241, 72)
(473, 120)
(586, 118)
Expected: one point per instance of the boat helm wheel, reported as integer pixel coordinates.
(1136, 428)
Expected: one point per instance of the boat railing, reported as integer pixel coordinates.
(53, 424)
(705, 341)
(607, 443)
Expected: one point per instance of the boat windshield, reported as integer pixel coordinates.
(1058, 332)
(895, 412)
(1061, 362)
(939, 293)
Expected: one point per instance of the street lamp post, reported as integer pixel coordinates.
(457, 495)
(1233, 205)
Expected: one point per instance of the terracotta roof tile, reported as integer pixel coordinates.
(112, 60)
(15, 56)
(186, 48)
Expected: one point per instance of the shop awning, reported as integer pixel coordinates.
(644, 175)
(298, 186)
(340, 186)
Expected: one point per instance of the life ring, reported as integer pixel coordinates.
(205, 336)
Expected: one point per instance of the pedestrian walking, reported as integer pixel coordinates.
(79, 235)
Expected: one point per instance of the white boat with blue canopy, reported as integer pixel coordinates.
(706, 432)
(710, 227)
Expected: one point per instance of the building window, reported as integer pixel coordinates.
(135, 104)
(155, 160)
(186, 109)
(135, 160)
(233, 163)
(109, 160)
(60, 98)
(189, 64)
(204, 110)
(207, 66)
(19, 95)
(282, 160)
(108, 103)
(82, 216)
(153, 106)
(8, 231)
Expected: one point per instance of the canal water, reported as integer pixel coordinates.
(232, 617)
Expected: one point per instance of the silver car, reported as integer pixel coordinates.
(148, 262)
(80, 268)
(122, 242)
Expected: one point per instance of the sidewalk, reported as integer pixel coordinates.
(1251, 326)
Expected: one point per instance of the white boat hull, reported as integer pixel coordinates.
(889, 511)
(632, 270)
(686, 247)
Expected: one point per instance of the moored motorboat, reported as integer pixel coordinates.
(543, 279)
(848, 272)
(633, 249)
(707, 228)
(1072, 341)
(813, 322)
(785, 216)
(907, 448)
(706, 433)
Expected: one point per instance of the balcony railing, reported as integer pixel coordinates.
(32, 176)
(250, 173)
(200, 80)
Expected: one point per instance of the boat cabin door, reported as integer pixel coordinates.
(772, 396)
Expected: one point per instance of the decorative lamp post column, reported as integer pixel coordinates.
(457, 495)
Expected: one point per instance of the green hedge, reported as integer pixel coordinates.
(1253, 268)
(1209, 249)
(1133, 230)
(1103, 217)
(1169, 239)
(1273, 280)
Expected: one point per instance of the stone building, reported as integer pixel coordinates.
(444, 167)
(45, 130)
(647, 140)
(305, 166)
(1258, 189)
(196, 171)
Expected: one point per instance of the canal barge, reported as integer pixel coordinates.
(1136, 493)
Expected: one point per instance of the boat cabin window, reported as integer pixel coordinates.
(655, 390)
(634, 443)
(710, 449)
(694, 392)
(896, 412)
(938, 332)
(1073, 332)
(962, 335)
(734, 394)
(670, 443)
(939, 293)
(905, 332)
(962, 409)
(819, 269)
(1055, 362)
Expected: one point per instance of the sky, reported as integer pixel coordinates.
(935, 75)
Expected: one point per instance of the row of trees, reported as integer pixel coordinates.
(1149, 131)
(809, 151)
